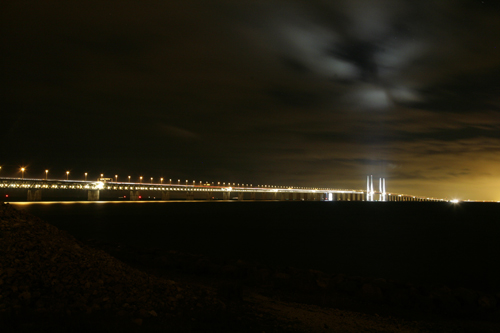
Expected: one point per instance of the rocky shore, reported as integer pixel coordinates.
(49, 281)
(46, 271)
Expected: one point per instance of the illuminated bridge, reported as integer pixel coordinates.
(25, 189)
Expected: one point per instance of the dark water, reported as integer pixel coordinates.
(453, 244)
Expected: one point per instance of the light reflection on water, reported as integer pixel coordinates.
(24, 203)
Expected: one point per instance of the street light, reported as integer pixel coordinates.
(161, 180)
(46, 174)
(129, 179)
(22, 173)
(85, 176)
(140, 178)
(67, 175)
(151, 180)
(170, 180)
(116, 178)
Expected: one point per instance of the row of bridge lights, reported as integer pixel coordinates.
(170, 181)
(129, 178)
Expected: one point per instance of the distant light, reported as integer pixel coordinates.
(455, 201)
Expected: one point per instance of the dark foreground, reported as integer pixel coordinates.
(49, 281)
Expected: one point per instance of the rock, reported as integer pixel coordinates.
(323, 282)
(487, 301)
(371, 292)
(337, 279)
(281, 276)
(262, 274)
(25, 295)
(143, 313)
(348, 286)
(10, 272)
(444, 300)
(466, 297)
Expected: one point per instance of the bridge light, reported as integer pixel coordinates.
(140, 178)
(151, 180)
(129, 179)
(46, 173)
(116, 178)
(85, 176)
(67, 175)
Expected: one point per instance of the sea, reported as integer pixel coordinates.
(436, 243)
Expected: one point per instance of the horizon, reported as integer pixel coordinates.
(167, 182)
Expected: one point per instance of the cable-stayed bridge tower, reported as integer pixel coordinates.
(370, 193)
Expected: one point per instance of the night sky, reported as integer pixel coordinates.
(297, 93)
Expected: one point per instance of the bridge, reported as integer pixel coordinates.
(105, 189)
